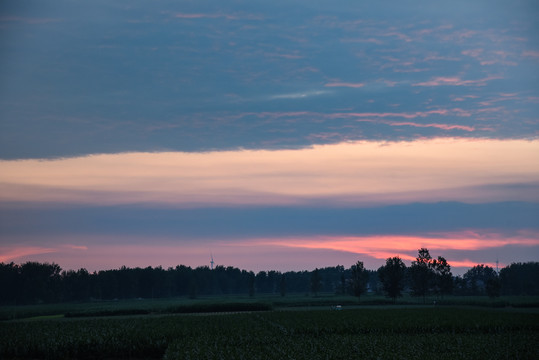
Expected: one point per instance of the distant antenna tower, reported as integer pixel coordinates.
(497, 272)
(211, 262)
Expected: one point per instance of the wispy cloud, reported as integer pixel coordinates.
(299, 95)
(181, 15)
(439, 126)
(531, 54)
(398, 35)
(456, 81)
(370, 40)
(76, 247)
(405, 115)
(16, 252)
(344, 84)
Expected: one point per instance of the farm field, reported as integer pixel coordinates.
(385, 332)
(242, 302)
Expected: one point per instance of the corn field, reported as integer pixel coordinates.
(441, 333)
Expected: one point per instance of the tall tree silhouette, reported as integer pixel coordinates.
(391, 276)
(443, 279)
(360, 278)
(422, 274)
(316, 281)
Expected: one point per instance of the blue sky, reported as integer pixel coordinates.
(282, 90)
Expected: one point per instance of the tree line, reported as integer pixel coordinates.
(34, 282)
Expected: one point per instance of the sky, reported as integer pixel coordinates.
(271, 135)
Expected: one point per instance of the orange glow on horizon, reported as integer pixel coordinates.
(360, 173)
(398, 243)
(262, 254)
(385, 246)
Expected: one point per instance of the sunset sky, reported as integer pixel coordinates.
(275, 135)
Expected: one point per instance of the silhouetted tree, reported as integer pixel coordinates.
(273, 281)
(193, 286)
(477, 277)
(421, 274)
(343, 285)
(76, 285)
(520, 279)
(316, 281)
(392, 277)
(493, 286)
(443, 279)
(40, 282)
(374, 282)
(36, 283)
(251, 284)
(360, 277)
(10, 284)
(282, 285)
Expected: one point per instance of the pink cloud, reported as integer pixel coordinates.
(278, 253)
(383, 246)
(456, 81)
(532, 54)
(493, 62)
(489, 110)
(345, 84)
(54, 253)
(32, 253)
(215, 16)
(398, 35)
(419, 114)
(490, 58)
(463, 34)
(475, 53)
(15, 253)
(438, 57)
(76, 247)
(391, 114)
(464, 98)
(462, 112)
(439, 126)
(361, 40)
(466, 263)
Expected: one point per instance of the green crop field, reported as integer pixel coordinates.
(260, 302)
(358, 333)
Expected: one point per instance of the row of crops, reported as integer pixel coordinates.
(444, 333)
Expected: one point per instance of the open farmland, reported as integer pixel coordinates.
(371, 333)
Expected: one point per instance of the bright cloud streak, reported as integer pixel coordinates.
(403, 115)
(383, 243)
(456, 81)
(17, 252)
(384, 246)
(359, 173)
(439, 126)
(14, 253)
(299, 95)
